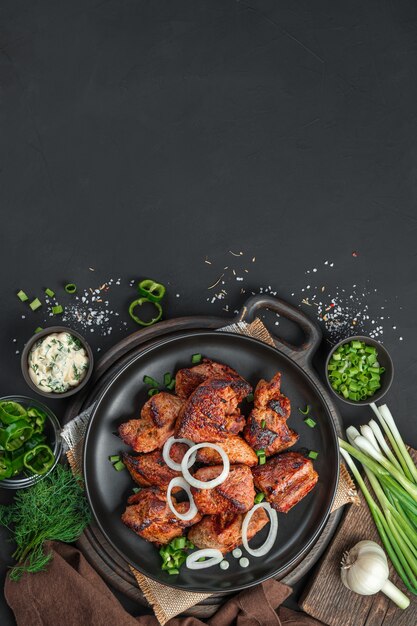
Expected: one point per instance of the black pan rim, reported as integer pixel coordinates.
(249, 340)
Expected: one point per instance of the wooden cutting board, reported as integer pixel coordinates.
(329, 601)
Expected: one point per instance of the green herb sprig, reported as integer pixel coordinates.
(55, 508)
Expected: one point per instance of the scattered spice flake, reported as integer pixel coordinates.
(216, 283)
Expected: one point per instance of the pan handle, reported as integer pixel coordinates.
(302, 354)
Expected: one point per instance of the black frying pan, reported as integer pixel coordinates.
(121, 400)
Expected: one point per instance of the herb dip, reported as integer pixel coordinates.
(57, 362)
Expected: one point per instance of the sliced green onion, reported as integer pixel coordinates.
(148, 380)
(263, 423)
(136, 489)
(260, 452)
(57, 310)
(196, 358)
(70, 288)
(38, 329)
(249, 397)
(310, 422)
(22, 296)
(259, 497)
(262, 460)
(119, 466)
(114, 458)
(35, 304)
(313, 454)
(50, 293)
(306, 411)
(356, 365)
(173, 571)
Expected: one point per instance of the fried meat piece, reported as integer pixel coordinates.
(224, 532)
(150, 470)
(189, 378)
(235, 495)
(238, 451)
(155, 425)
(266, 427)
(150, 517)
(212, 410)
(285, 479)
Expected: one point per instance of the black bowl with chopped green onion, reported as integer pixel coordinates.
(30, 441)
(359, 370)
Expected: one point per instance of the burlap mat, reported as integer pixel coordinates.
(166, 601)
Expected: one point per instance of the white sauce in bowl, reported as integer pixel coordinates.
(57, 362)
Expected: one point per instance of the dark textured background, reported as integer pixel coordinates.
(140, 137)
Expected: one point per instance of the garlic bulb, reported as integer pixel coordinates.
(364, 570)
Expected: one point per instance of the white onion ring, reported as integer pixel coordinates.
(167, 449)
(192, 511)
(213, 558)
(272, 535)
(210, 484)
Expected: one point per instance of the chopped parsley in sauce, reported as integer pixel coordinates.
(57, 362)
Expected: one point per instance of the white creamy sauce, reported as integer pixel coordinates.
(57, 362)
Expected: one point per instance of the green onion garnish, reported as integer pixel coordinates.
(50, 293)
(136, 489)
(249, 397)
(306, 411)
(70, 288)
(114, 458)
(38, 329)
(22, 296)
(196, 358)
(57, 310)
(354, 371)
(152, 392)
(148, 380)
(262, 460)
(310, 422)
(263, 423)
(173, 571)
(260, 452)
(259, 497)
(119, 466)
(313, 454)
(167, 379)
(35, 304)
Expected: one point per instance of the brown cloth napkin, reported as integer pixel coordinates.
(70, 592)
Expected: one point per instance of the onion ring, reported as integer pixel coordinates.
(213, 558)
(272, 535)
(192, 511)
(167, 449)
(210, 484)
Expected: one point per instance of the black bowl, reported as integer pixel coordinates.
(384, 360)
(43, 333)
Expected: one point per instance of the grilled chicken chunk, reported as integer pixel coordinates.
(285, 479)
(150, 470)
(238, 451)
(224, 532)
(236, 494)
(155, 425)
(211, 410)
(188, 379)
(266, 427)
(149, 516)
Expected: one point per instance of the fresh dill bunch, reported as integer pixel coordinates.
(55, 508)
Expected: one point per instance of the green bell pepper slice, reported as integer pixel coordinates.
(37, 419)
(5, 468)
(11, 412)
(151, 289)
(15, 435)
(140, 302)
(18, 455)
(39, 460)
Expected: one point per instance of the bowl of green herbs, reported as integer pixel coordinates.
(30, 443)
(359, 370)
